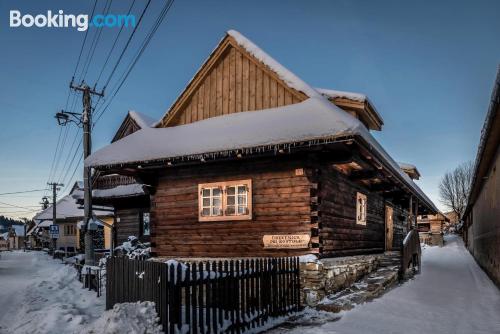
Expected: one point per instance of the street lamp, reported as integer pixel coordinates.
(64, 117)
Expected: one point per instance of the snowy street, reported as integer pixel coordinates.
(40, 295)
(451, 295)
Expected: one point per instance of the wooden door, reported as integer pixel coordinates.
(389, 227)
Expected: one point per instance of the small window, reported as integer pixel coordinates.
(69, 230)
(146, 227)
(230, 200)
(361, 206)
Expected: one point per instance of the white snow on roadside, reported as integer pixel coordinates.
(40, 295)
(45, 294)
(130, 318)
(452, 295)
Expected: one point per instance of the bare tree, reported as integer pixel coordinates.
(454, 187)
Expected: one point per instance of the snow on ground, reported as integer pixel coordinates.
(451, 295)
(130, 318)
(41, 295)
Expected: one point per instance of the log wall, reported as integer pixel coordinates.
(130, 214)
(281, 205)
(339, 233)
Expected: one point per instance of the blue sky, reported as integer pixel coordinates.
(428, 66)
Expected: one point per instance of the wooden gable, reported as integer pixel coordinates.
(128, 126)
(230, 81)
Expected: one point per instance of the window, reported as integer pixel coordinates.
(361, 205)
(230, 200)
(69, 230)
(146, 230)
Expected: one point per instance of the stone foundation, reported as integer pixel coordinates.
(320, 278)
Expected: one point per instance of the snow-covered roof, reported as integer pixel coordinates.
(66, 207)
(315, 119)
(405, 165)
(127, 190)
(281, 71)
(143, 121)
(284, 74)
(4, 236)
(410, 169)
(341, 94)
(308, 120)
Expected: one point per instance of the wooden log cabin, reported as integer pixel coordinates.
(252, 161)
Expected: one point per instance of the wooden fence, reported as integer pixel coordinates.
(208, 297)
(411, 253)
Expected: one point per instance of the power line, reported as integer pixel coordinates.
(127, 44)
(73, 175)
(69, 154)
(15, 206)
(95, 42)
(55, 153)
(72, 160)
(113, 46)
(23, 192)
(84, 40)
(143, 47)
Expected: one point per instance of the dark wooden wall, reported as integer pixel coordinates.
(130, 213)
(339, 233)
(281, 205)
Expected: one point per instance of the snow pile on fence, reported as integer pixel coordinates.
(131, 318)
(134, 249)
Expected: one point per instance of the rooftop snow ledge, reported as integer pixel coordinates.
(341, 94)
(284, 74)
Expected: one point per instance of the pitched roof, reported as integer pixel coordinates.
(66, 207)
(312, 119)
(132, 122)
(410, 169)
(142, 120)
(283, 73)
(315, 120)
(234, 38)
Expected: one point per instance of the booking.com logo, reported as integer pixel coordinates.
(60, 20)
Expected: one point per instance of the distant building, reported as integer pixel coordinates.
(481, 217)
(68, 215)
(431, 228)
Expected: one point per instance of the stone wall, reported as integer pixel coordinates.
(320, 278)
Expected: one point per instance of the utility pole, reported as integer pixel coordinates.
(85, 120)
(55, 188)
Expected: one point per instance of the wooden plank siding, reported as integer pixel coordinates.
(235, 82)
(281, 205)
(339, 233)
(129, 211)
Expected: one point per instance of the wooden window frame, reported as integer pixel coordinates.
(359, 220)
(224, 185)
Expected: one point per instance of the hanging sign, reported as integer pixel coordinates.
(291, 241)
